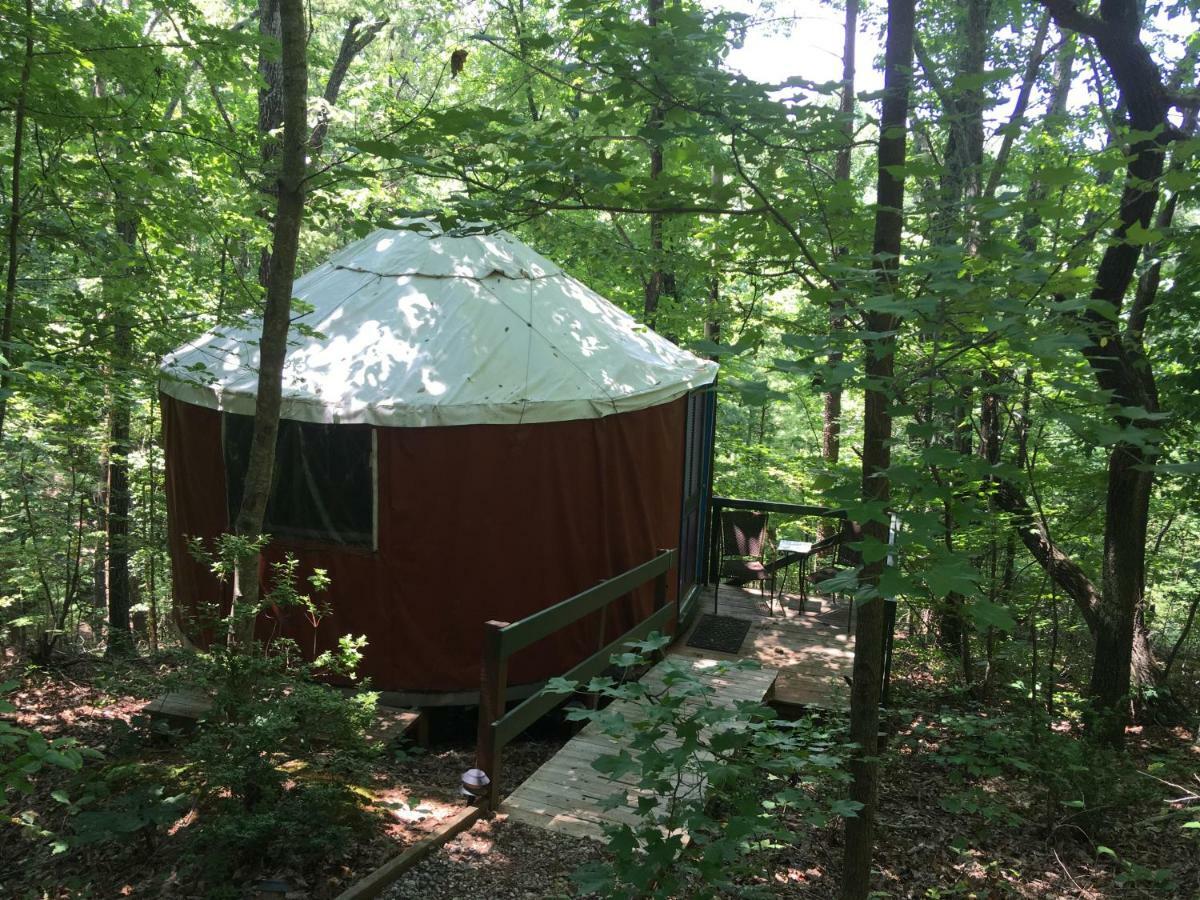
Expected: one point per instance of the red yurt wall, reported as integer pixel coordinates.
(475, 522)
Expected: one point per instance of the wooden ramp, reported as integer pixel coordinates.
(806, 654)
(567, 794)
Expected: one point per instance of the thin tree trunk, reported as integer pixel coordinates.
(712, 318)
(14, 218)
(879, 347)
(658, 283)
(120, 636)
(954, 224)
(277, 312)
(516, 12)
(1032, 66)
(831, 432)
(270, 116)
(151, 574)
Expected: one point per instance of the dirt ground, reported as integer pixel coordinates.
(924, 849)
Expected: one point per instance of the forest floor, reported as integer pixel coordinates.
(99, 703)
(974, 803)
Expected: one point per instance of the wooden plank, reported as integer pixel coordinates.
(540, 803)
(493, 678)
(589, 804)
(567, 767)
(184, 705)
(546, 621)
(378, 881)
(562, 822)
(391, 724)
(568, 786)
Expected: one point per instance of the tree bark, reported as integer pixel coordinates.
(271, 100)
(831, 415)
(1068, 574)
(879, 347)
(516, 13)
(954, 224)
(354, 41)
(712, 318)
(120, 636)
(1028, 79)
(963, 158)
(1119, 362)
(281, 273)
(659, 281)
(14, 218)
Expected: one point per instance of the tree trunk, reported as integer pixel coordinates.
(1118, 359)
(120, 637)
(659, 281)
(270, 116)
(281, 273)
(954, 224)
(963, 158)
(516, 13)
(151, 544)
(831, 432)
(879, 347)
(712, 318)
(354, 41)
(1068, 574)
(14, 218)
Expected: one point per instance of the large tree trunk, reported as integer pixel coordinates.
(14, 218)
(879, 346)
(1118, 359)
(281, 273)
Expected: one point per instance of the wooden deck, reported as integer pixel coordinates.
(804, 657)
(812, 649)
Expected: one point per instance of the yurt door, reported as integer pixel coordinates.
(697, 472)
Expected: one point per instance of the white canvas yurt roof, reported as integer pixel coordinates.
(420, 328)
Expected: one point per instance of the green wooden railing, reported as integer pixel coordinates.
(502, 639)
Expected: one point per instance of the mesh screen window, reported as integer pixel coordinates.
(323, 488)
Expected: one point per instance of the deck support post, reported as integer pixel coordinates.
(493, 686)
(660, 600)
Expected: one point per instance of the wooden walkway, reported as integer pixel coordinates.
(568, 794)
(804, 657)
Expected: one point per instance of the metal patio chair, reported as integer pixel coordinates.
(742, 554)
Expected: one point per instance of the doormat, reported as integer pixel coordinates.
(721, 633)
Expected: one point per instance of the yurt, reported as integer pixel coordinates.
(468, 433)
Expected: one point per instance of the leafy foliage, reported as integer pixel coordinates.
(710, 781)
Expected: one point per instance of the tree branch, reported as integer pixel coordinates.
(354, 42)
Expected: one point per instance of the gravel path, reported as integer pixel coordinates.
(498, 860)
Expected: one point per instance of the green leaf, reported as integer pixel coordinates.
(847, 809)
(987, 614)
